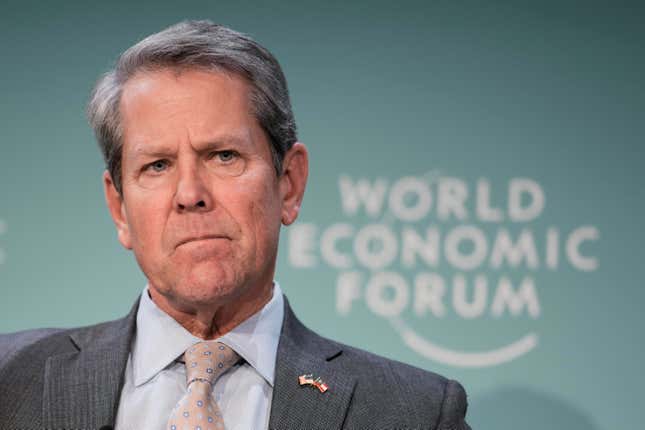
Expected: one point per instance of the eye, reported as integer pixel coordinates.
(226, 162)
(157, 166)
(225, 156)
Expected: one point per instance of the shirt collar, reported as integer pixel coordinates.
(160, 339)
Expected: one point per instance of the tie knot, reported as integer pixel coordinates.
(206, 361)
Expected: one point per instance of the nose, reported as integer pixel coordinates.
(192, 194)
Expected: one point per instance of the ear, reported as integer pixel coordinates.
(295, 168)
(116, 206)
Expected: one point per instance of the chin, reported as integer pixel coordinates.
(209, 286)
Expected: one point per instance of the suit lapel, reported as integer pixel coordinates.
(83, 386)
(301, 351)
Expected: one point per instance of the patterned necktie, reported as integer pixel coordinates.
(197, 410)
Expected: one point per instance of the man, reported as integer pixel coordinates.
(203, 167)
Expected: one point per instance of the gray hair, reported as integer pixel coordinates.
(201, 45)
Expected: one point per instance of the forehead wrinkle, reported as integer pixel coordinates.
(236, 138)
(199, 136)
(155, 144)
(147, 150)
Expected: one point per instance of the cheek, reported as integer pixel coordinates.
(266, 214)
(146, 227)
(259, 211)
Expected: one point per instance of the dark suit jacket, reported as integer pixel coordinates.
(72, 379)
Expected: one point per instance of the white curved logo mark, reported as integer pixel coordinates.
(451, 357)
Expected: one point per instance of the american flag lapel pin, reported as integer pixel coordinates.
(308, 379)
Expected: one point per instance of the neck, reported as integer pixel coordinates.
(213, 320)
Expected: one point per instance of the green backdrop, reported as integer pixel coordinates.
(475, 189)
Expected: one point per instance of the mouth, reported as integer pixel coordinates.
(201, 238)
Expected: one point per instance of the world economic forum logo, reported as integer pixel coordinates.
(422, 248)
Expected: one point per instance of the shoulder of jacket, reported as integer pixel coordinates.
(387, 386)
(12, 344)
(370, 362)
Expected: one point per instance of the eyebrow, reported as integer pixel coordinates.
(161, 151)
(224, 140)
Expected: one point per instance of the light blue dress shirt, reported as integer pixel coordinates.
(154, 381)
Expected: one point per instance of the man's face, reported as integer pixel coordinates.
(201, 204)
